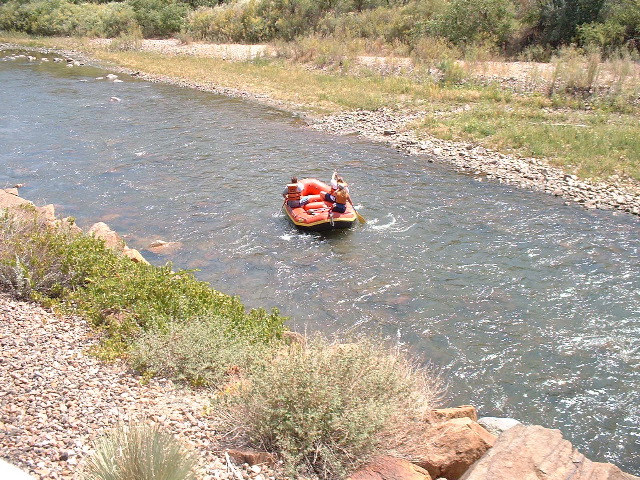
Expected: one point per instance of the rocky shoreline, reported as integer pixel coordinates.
(392, 128)
(55, 400)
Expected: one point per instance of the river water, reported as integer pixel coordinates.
(530, 307)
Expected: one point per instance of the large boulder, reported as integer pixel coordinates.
(449, 448)
(385, 467)
(538, 453)
(115, 242)
(9, 199)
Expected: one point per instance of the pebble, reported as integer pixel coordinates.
(55, 399)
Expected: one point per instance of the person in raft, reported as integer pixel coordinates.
(339, 194)
(293, 194)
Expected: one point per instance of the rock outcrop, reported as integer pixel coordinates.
(384, 467)
(535, 452)
(46, 215)
(12, 202)
(449, 448)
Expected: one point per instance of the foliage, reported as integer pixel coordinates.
(159, 18)
(61, 17)
(200, 352)
(140, 452)
(122, 297)
(509, 24)
(472, 21)
(130, 40)
(42, 262)
(325, 407)
(556, 21)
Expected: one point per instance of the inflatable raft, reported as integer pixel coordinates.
(316, 216)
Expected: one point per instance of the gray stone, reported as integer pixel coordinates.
(497, 425)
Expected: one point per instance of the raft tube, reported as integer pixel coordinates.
(316, 216)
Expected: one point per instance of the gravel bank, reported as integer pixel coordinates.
(55, 399)
(390, 127)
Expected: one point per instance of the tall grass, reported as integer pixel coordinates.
(574, 72)
(140, 452)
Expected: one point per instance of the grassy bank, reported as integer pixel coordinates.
(584, 126)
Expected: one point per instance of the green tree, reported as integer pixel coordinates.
(558, 20)
(469, 21)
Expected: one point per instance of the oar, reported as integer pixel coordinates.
(358, 216)
(283, 204)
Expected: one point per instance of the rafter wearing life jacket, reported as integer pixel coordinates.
(294, 192)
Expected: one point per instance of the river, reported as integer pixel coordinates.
(530, 307)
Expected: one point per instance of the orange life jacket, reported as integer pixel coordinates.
(292, 192)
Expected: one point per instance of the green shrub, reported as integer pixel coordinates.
(233, 22)
(601, 35)
(452, 71)
(200, 352)
(476, 21)
(326, 407)
(44, 263)
(38, 261)
(62, 17)
(132, 296)
(140, 452)
(160, 17)
(128, 40)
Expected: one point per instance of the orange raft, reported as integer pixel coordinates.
(316, 215)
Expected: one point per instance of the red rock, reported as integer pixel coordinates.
(385, 467)
(451, 447)
(134, 255)
(111, 238)
(539, 453)
(443, 414)
(9, 199)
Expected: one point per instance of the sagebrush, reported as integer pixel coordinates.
(326, 407)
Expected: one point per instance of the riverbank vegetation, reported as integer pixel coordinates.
(443, 58)
(532, 29)
(323, 407)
